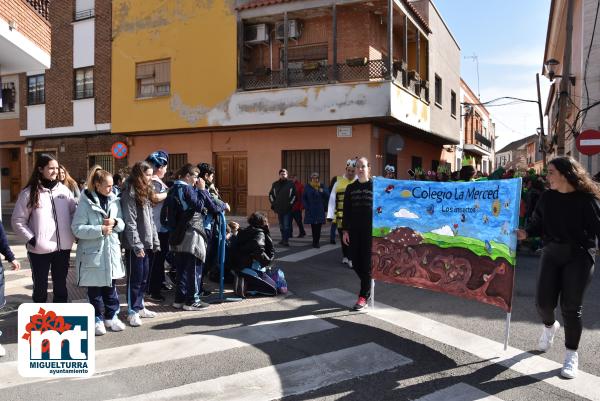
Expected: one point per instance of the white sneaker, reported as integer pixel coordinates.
(345, 260)
(147, 313)
(2, 351)
(547, 337)
(114, 324)
(134, 319)
(100, 329)
(177, 305)
(571, 365)
(350, 264)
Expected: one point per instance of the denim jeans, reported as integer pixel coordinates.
(285, 225)
(2, 299)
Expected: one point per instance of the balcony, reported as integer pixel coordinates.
(41, 6)
(479, 144)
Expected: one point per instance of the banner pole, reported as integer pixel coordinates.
(507, 330)
(372, 294)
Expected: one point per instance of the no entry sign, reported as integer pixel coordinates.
(119, 150)
(588, 142)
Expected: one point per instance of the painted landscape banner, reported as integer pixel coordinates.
(453, 237)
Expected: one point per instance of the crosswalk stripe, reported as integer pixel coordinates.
(459, 392)
(186, 346)
(18, 283)
(290, 378)
(309, 253)
(586, 385)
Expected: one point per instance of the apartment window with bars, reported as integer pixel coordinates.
(438, 90)
(8, 96)
(84, 9)
(105, 160)
(153, 78)
(176, 161)
(303, 163)
(84, 83)
(36, 93)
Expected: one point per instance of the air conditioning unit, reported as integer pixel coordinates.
(294, 29)
(254, 34)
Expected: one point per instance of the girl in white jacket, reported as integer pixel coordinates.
(42, 217)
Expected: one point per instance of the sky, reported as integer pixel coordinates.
(508, 38)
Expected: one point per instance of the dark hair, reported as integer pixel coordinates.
(143, 191)
(97, 175)
(576, 175)
(117, 179)
(205, 169)
(36, 179)
(258, 219)
(282, 170)
(466, 173)
(186, 169)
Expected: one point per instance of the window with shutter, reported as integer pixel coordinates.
(153, 78)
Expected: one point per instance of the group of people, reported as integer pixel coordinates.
(149, 218)
(127, 232)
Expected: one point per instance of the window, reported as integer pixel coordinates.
(105, 160)
(453, 103)
(7, 97)
(84, 83)
(176, 161)
(84, 9)
(434, 165)
(304, 162)
(438, 90)
(153, 79)
(35, 90)
(416, 162)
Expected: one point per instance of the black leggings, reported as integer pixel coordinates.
(565, 271)
(316, 233)
(360, 252)
(345, 248)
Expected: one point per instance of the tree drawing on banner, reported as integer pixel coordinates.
(453, 237)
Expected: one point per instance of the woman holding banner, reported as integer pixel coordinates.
(568, 218)
(357, 227)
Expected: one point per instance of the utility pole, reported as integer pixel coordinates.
(542, 143)
(564, 83)
(476, 60)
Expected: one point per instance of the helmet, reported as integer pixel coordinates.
(159, 158)
(389, 169)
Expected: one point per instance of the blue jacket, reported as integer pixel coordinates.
(315, 203)
(98, 259)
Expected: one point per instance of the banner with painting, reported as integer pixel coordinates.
(453, 237)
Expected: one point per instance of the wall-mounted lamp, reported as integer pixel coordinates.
(551, 67)
(12, 25)
(28, 149)
(61, 147)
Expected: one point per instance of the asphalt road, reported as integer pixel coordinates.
(414, 345)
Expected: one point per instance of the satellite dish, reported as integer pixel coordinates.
(394, 144)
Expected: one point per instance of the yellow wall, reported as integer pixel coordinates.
(198, 36)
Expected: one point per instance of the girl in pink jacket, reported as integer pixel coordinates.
(42, 217)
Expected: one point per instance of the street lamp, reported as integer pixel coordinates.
(551, 66)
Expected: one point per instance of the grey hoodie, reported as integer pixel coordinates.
(140, 230)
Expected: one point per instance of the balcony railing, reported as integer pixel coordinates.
(315, 74)
(41, 6)
(8, 94)
(83, 14)
(483, 140)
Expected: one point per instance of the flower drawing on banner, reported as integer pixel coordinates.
(445, 230)
(405, 214)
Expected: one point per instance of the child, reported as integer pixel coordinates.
(5, 250)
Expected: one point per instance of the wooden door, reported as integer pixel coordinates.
(232, 180)
(15, 173)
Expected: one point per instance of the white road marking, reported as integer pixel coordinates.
(309, 253)
(186, 346)
(585, 385)
(295, 377)
(459, 392)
